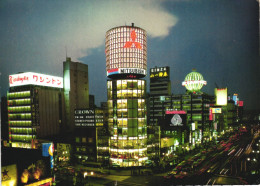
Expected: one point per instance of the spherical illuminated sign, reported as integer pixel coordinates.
(126, 52)
(194, 82)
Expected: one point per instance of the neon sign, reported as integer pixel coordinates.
(129, 44)
(175, 112)
(31, 78)
(126, 71)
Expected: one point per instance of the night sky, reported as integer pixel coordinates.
(217, 37)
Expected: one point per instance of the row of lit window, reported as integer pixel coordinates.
(19, 94)
(20, 123)
(129, 131)
(120, 44)
(115, 58)
(84, 149)
(116, 48)
(123, 40)
(122, 121)
(127, 83)
(19, 109)
(129, 93)
(122, 103)
(126, 65)
(83, 140)
(19, 102)
(124, 52)
(130, 113)
(129, 142)
(23, 130)
(19, 116)
(124, 29)
(125, 34)
(131, 61)
(22, 137)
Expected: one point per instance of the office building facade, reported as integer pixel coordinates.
(126, 57)
(76, 89)
(34, 108)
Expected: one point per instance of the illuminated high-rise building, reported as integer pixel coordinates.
(76, 89)
(34, 108)
(126, 64)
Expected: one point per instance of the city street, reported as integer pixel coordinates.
(224, 163)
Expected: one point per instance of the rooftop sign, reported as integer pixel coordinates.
(32, 78)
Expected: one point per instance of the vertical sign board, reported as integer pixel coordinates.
(210, 114)
(235, 98)
(47, 150)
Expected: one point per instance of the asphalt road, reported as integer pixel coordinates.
(224, 164)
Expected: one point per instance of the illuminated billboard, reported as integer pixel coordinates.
(175, 112)
(160, 73)
(126, 51)
(32, 78)
(216, 110)
(240, 103)
(235, 98)
(175, 118)
(9, 175)
(221, 96)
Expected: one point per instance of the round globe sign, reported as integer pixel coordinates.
(194, 81)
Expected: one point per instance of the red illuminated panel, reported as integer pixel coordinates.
(240, 103)
(128, 44)
(210, 114)
(175, 112)
(32, 78)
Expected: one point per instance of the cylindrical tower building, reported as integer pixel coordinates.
(126, 64)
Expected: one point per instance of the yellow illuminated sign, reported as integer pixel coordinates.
(167, 142)
(159, 74)
(9, 175)
(221, 96)
(216, 110)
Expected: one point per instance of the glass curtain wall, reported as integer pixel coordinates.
(127, 122)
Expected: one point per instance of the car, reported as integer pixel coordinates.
(175, 171)
(115, 165)
(169, 176)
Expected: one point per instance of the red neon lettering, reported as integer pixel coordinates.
(128, 44)
(11, 80)
(58, 82)
(48, 80)
(35, 77)
(41, 79)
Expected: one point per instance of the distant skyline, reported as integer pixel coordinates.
(219, 38)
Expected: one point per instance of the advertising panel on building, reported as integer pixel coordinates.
(216, 110)
(160, 73)
(9, 175)
(126, 52)
(85, 117)
(221, 96)
(235, 98)
(175, 119)
(32, 78)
